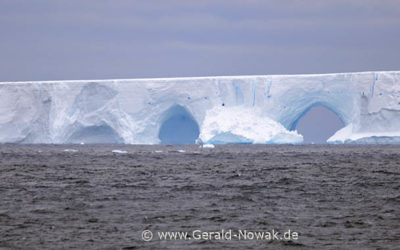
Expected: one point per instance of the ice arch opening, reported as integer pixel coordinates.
(178, 127)
(317, 123)
(95, 134)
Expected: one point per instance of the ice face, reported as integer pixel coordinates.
(237, 109)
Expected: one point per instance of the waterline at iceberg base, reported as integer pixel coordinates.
(231, 109)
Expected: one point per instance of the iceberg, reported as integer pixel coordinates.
(117, 151)
(226, 109)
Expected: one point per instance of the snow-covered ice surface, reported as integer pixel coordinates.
(244, 124)
(237, 109)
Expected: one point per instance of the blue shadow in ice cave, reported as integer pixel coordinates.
(178, 127)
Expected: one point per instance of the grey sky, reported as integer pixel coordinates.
(77, 39)
(318, 124)
(50, 39)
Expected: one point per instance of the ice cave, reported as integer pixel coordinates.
(178, 127)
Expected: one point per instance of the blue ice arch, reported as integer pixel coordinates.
(318, 124)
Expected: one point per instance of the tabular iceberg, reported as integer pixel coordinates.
(237, 109)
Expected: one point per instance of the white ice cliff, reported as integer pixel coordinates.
(237, 109)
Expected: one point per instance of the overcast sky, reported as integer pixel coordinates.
(50, 39)
(77, 39)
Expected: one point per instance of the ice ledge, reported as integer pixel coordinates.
(121, 80)
(346, 135)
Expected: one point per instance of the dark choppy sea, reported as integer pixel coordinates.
(334, 197)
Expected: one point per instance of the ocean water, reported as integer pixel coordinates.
(89, 197)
